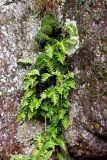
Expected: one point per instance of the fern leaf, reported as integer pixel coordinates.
(45, 76)
(34, 104)
(30, 114)
(71, 28)
(48, 155)
(44, 95)
(33, 72)
(42, 38)
(61, 156)
(21, 115)
(53, 95)
(29, 93)
(60, 56)
(72, 42)
(39, 140)
(49, 50)
(25, 61)
(20, 157)
(65, 122)
(61, 142)
(39, 63)
(49, 65)
(59, 89)
(62, 46)
(62, 112)
(50, 144)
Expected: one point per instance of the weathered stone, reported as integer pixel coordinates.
(87, 134)
(18, 29)
(26, 133)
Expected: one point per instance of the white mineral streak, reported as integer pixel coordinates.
(73, 49)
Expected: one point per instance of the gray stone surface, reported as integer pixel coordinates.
(18, 29)
(87, 134)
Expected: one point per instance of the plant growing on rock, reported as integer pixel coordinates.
(46, 89)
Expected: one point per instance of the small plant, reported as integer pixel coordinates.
(46, 88)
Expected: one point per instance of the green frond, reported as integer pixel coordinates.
(53, 95)
(49, 50)
(71, 29)
(61, 156)
(39, 63)
(50, 65)
(45, 76)
(32, 73)
(42, 38)
(59, 89)
(61, 142)
(72, 42)
(20, 157)
(60, 56)
(50, 144)
(61, 113)
(65, 122)
(48, 155)
(50, 20)
(46, 29)
(34, 104)
(25, 61)
(62, 46)
(39, 140)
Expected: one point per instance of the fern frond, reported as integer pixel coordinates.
(61, 142)
(53, 95)
(71, 29)
(59, 89)
(50, 144)
(20, 157)
(39, 140)
(60, 56)
(25, 61)
(50, 65)
(42, 38)
(39, 63)
(62, 113)
(61, 156)
(49, 50)
(50, 20)
(32, 73)
(65, 122)
(45, 76)
(48, 155)
(34, 104)
(72, 42)
(62, 45)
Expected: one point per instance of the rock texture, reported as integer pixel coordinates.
(18, 28)
(87, 134)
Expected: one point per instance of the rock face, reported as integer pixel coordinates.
(18, 27)
(87, 134)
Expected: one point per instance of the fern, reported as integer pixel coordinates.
(49, 50)
(71, 29)
(25, 61)
(46, 89)
(49, 65)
